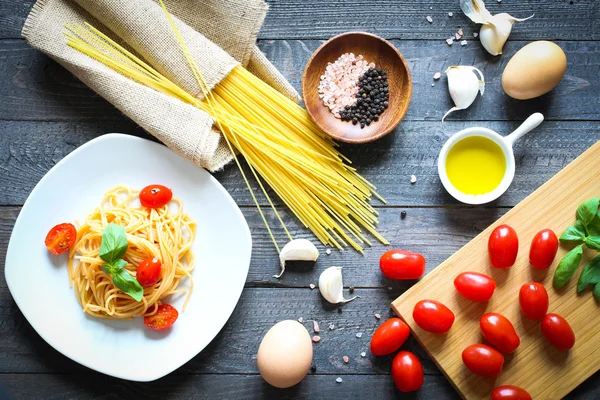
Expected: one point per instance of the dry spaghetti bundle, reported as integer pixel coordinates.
(276, 137)
(151, 232)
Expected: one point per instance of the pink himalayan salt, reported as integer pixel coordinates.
(339, 82)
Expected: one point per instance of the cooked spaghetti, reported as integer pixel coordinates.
(165, 232)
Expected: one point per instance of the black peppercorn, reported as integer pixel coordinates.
(403, 214)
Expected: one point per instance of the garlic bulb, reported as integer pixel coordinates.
(331, 286)
(463, 86)
(297, 250)
(495, 29)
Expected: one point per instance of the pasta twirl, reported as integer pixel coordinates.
(166, 232)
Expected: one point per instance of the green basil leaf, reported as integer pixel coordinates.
(567, 266)
(574, 233)
(587, 210)
(593, 242)
(114, 243)
(594, 226)
(127, 283)
(590, 275)
(597, 291)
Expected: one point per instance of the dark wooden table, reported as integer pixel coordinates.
(45, 113)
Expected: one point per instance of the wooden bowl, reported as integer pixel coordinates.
(373, 49)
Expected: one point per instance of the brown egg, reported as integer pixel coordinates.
(285, 354)
(534, 70)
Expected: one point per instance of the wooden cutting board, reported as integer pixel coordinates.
(536, 366)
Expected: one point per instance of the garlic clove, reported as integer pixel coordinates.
(496, 28)
(495, 32)
(463, 86)
(331, 286)
(297, 250)
(475, 10)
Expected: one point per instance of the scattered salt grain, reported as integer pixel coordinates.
(457, 36)
(433, 84)
(463, 43)
(316, 327)
(475, 34)
(429, 19)
(312, 286)
(390, 288)
(437, 76)
(301, 320)
(378, 316)
(316, 339)
(460, 32)
(331, 327)
(328, 251)
(363, 354)
(338, 380)
(450, 41)
(346, 359)
(450, 14)
(359, 335)
(413, 179)
(499, 1)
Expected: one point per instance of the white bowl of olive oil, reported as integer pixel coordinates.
(477, 165)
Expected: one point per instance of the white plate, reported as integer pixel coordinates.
(38, 280)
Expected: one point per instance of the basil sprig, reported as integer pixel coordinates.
(112, 249)
(586, 231)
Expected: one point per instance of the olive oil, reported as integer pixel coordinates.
(475, 165)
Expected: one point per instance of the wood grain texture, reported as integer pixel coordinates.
(376, 50)
(234, 349)
(219, 387)
(543, 371)
(36, 88)
(436, 233)
(295, 19)
(29, 149)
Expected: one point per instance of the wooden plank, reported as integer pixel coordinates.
(64, 378)
(234, 349)
(29, 149)
(543, 371)
(436, 233)
(177, 386)
(184, 387)
(389, 18)
(37, 88)
(406, 19)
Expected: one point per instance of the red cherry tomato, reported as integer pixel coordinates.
(510, 392)
(407, 372)
(533, 299)
(543, 249)
(500, 332)
(155, 196)
(400, 264)
(558, 332)
(61, 238)
(503, 246)
(483, 360)
(162, 319)
(475, 286)
(389, 337)
(148, 272)
(432, 316)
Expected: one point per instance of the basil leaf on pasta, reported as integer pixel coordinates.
(114, 243)
(127, 283)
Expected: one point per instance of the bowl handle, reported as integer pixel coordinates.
(527, 126)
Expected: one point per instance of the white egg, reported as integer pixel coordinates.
(285, 354)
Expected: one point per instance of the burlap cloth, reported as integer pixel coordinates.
(220, 35)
